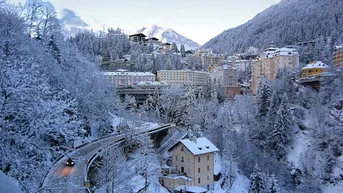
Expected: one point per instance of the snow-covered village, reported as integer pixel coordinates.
(171, 96)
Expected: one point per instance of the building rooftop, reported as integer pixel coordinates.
(316, 64)
(178, 176)
(185, 71)
(153, 38)
(199, 146)
(139, 34)
(124, 72)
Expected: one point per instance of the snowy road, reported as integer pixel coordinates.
(66, 179)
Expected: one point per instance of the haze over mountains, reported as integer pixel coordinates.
(168, 35)
(286, 23)
(74, 24)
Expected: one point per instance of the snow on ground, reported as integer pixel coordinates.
(300, 145)
(338, 169)
(240, 185)
(7, 185)
(132, 123)
(217, 164)
(138, 183)
(333, 189)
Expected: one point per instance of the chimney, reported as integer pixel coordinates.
(193, 138)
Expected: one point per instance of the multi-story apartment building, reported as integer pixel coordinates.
(125, 78)
(272, 61)
(208, 60)
(338, 57)
(193, 165)
(200, 52)
(239, 64)
(183, 77)
(227, 76)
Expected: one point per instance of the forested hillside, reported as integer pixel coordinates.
(50, 95)
(286, 23)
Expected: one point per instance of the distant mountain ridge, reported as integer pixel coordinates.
(286, 23)
(169, 36)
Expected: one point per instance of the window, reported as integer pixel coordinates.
(198, 170)
(176, 158)
(181, 148)
(208, 168)
(188, 171)
(208, 157)
(208, 178)
(199, 180)
(182, 159)
(189, 160)
(199, 159)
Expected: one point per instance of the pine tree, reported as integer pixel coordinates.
(257, 184)
(273, 108)
(183, 50)
(281, 133)
(174, 48)
(263, 98)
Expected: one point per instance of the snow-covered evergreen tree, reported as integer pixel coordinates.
(257, 184)
(263, 98)
(183, 50)
(282, 129)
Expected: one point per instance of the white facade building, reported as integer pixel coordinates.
(125, 78)
(183, 77)
(226, 75)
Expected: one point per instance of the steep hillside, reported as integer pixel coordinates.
(168, 35)
(288, 22)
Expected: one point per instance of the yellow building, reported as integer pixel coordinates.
(272, 61)
(183, 77)
(312, 74)
(314, 69)
(193, 165)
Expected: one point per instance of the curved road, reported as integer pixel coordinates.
(72, 179)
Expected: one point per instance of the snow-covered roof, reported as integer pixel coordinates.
(339, 47)
(285, 52)
(178, 176)
(118, 73)
(316, 64)
(194, 189)
(183, 71)
(199, 146)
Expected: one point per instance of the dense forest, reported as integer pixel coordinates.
(288, 23)
(287, 138)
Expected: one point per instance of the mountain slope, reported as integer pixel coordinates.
(169, 36)
(71, 23)
(288, 22)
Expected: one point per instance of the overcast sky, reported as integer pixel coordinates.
(199, 20)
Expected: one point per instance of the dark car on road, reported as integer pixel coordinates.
(70, 162)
